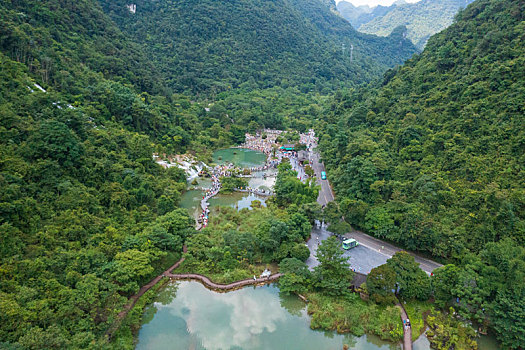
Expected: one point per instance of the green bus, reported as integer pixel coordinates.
(323, 175)
(350, 243)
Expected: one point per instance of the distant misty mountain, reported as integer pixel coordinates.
(422, 19)
(359, 15)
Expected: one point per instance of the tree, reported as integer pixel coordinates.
(290, 190)
(333, 275)
(332, 213)
(381, 282)
(130, 267)
(444, 281)
(55, 140)
(312, 211)
(411, 281)
(296, 278)
(380, 223)
(300, 252)
(508, 317)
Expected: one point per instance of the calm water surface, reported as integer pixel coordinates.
(241, 157)
(186, 315)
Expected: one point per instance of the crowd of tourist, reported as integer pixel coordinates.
(257, 143)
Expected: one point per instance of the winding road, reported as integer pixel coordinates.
(370, 253)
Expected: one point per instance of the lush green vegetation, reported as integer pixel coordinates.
(417, 312)
(290, 190)
(433, 160)
(350, 314)
(124, 337)
(239, 244)
(208, 47)
(86, 216)
(422, 19)
(231, 183)
(447, 332)
(360, 15)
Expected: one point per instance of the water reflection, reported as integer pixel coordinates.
(239, 200)
(250, 318)
(241, 157)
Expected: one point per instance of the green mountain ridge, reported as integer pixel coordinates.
(434, 160)
(422, 19)
(213, 46)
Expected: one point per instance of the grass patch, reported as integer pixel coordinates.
(417, 313)
(350, 314)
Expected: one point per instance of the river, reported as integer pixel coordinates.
(186, 315)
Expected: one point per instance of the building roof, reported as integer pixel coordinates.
(359, 279)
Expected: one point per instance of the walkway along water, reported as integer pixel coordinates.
(134, 298)
(407, 329)
(224, 287)
(191, 276)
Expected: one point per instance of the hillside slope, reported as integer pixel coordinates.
(86, 215)
(211, 46)
(434, 160)
(422, 19)
(441, 143)
(359, 15)
(65, 42)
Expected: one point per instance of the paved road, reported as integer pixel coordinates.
(387, 250)
(371, 252)
(318, 235)
(361, 258)
(325, 194)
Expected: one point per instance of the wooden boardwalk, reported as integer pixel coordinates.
(223, 287)
(134, 298)
(184, 276)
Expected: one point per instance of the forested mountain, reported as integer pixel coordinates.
(434, 159)
(89, 89)
(211, 46)
(86, 215)
(359, 15)
(65, 43)
(422, 19)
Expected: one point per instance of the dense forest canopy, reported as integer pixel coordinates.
(208, 46)
(445, 132)
(430, 157)
(433, 159)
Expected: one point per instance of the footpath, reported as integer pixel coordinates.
(186, 276)
(223, 287)
(407, 329)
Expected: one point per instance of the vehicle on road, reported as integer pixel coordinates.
(350, 243)
(323, 175)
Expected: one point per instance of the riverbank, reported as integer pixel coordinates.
(350, 314)
(127, 323)
(186, 315)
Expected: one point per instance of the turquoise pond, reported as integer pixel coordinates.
(241, 157)
(186, 315)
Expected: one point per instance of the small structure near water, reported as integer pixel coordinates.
(266, 273)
